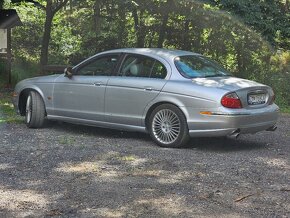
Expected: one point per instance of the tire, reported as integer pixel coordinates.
(168, 126)
(35, 110)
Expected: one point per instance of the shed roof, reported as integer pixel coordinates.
(9, 19)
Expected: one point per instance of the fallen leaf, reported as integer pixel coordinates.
(285, 189)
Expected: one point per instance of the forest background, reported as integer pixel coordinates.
(251, 38)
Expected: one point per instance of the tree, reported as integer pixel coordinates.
(51, 8)
(271, 18)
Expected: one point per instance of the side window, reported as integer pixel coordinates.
(158, 71)
(141, 66)
(102, 66)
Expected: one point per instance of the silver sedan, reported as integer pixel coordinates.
(171, 94)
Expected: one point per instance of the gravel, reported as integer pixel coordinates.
(66, 170)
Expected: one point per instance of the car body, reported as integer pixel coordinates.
(171, 94)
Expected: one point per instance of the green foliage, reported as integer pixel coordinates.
(280, 77)
(8, 114)
(271, 18)
(67, 140)
(63, 43)
(26, 41)
(23, 69)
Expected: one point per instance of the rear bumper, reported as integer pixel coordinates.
(224, 123)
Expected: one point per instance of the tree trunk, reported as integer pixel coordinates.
(138, 24)
(186, 42)
(50, 11)
(9, 56)
(46, 37)
(162, 31)
(97, 15)
(122, 25)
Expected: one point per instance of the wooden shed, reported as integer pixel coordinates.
(8, 20)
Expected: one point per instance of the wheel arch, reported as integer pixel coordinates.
(155, 105)
(23, 97)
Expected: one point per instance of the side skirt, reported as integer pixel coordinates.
(99, 124)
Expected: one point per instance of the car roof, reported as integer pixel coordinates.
(161, 52)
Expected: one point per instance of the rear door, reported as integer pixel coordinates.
(140, 80)
(82, 95)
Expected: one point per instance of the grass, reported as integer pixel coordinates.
(128, 158)
(7, 111)
(67, 140)
(285, 110)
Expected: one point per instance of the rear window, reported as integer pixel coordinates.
(193, 66)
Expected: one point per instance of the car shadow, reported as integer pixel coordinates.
(217, 144)
(224, 144)
(96, 131)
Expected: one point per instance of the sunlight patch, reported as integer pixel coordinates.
(5, 166)
(21, 200)
(175, 178)
(85, 167)
(104, 212)
(171, 205)
(276, 162)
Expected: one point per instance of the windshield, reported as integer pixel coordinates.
(193, 66)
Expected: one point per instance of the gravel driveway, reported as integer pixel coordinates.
(67, 170)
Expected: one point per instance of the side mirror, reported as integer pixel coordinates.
(68, 72)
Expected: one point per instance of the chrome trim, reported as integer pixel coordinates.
(230, 114)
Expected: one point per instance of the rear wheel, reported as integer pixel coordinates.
(168, 126)
(35, 110)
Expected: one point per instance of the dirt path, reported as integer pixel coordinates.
(72, 171)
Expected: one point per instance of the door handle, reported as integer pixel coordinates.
(98, 84)
(148, 88)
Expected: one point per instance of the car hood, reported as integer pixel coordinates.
(226, 83)
(33, 81)
(50, 78)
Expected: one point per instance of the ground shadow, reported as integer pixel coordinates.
(224, 144)
(218, 144)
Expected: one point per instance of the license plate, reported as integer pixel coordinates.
(255, 99)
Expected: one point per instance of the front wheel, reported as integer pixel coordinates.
(35, 110)
(168, 126)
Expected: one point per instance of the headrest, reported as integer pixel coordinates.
(135, 69)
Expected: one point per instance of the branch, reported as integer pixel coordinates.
(36, 4)
(60, 5)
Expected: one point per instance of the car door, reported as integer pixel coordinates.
(82, 95)
(140, 80)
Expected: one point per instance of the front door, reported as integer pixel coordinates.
(82, 95)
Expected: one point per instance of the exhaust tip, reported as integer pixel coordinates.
(235, 134)
(272, 128)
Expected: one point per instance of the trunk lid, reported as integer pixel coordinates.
(251, 93)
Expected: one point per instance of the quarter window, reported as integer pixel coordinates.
(141, 66)
(99, 67)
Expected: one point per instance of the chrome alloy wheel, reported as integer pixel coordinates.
(28, 109)
(166, 126)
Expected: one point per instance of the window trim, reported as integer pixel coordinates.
(91, 60)
(124, 58)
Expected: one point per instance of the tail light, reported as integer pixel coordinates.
(272, 99)
(231, 100)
